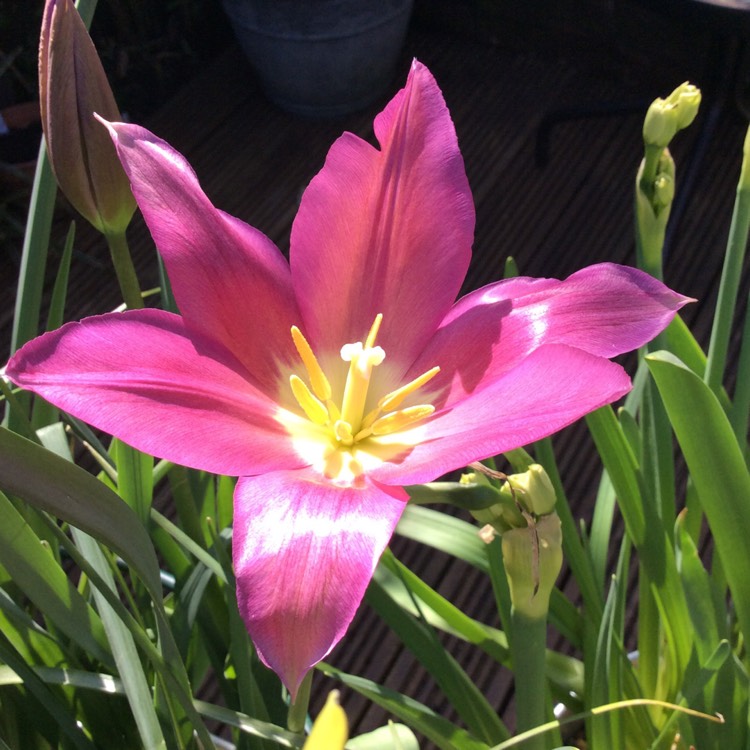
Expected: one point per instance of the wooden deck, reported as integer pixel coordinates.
(254, 161)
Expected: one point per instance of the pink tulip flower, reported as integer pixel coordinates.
(329, 382)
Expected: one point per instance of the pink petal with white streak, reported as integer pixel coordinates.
(137, 375)
(304, 552)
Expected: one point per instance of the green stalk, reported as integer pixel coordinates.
(125, 270)
(528, 645)
(298, 708)
(651, 222)
(740, 411)
(730, 277)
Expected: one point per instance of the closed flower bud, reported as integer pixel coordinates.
(666, 116)
(72, 87)
(686, 99)
(660, 124)
(537, 494)
(663, 191)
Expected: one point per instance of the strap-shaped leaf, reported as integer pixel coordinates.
(717, 467)
(63, 489)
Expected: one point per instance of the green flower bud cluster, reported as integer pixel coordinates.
(531, 536)
(666, 116)
(655, 198)
(528, 494)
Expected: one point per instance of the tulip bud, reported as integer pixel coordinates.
(331, 729)
(537, 494)
(666, 116)
(533, 557)
(686, 99)
(72, 87)
(530, 492)
(660, 124)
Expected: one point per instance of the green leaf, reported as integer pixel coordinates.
(622, 467)
(443, 532)
(422, 641)
(440, 731)
(29, 638)
(50, 701)
(123, 649)
(63, 489)
(135, 472)
(402, 585)
(38, 575)
(391, 737)
(717, 467)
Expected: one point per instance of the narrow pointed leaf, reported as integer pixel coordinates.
(421, 640)
(440, 731)
(124, 651)
(34, 570)
(56, 486)
(717, 468)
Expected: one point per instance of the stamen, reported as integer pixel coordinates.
(370, 341)
(315, 410)
(318, 380)
(397, 420)
(393, 399)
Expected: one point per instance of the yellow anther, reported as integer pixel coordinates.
(315, 409)
(393, 399)
(318, 380)
(370, 342)
(397, 420)
(343, 432)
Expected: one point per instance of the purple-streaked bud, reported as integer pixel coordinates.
(72, 87)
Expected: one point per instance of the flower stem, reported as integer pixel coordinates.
(729, 285)
(298, 708)
(740, 411)
(528, 644)
(125, 270)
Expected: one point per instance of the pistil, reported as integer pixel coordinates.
(361, 361)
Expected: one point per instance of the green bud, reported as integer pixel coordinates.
(663, 191)
(533, 557)
(666, 116)
(686, 100)
(528, 492)
(502, 516)
(535, 491)
(72, 87)
(660, 124)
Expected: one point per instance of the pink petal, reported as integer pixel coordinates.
(138, 376)
(604, 310)
(230, 282)
(554, 386)
(304, 552)
(386, 231)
